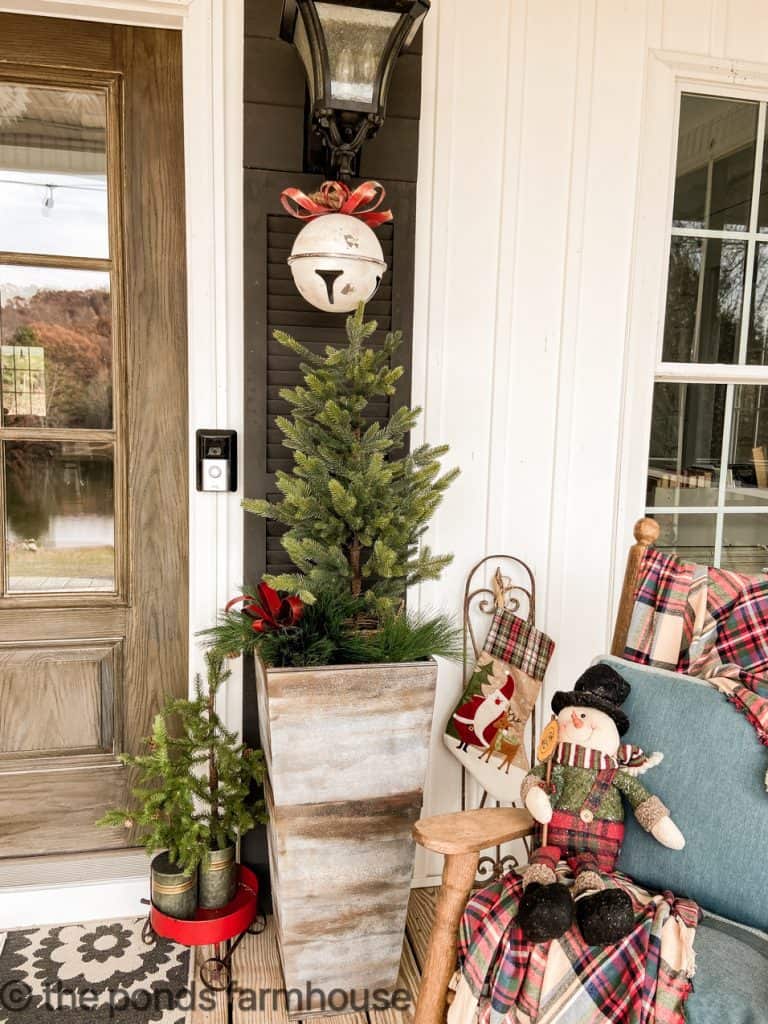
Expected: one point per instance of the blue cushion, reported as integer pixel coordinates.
(731, 981)
(713, 780)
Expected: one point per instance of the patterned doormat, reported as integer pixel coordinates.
(97, 973)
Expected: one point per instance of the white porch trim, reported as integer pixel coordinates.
(152, 13)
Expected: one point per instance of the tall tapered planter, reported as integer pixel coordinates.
(346, 751)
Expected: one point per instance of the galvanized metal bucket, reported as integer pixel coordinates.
(218, 878)
(174, 892)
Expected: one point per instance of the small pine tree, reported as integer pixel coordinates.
(355, 509)
(194, 782)
(164, 814)
(221, 768)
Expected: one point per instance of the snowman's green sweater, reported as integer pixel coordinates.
(572, 786)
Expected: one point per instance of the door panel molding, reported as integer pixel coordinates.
(104, 718)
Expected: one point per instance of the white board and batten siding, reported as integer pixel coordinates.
(548, 134)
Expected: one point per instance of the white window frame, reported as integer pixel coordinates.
(668, 76)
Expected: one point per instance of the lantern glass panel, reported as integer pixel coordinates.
(356, 40)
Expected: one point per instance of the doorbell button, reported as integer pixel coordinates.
(216, 460)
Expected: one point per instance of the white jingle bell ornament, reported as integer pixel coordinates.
(337, 261)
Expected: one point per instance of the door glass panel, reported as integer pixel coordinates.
(745, 543)
(704, 300)
(56, 336)
(715, 163)
(59, 516)
(690, 536)
(747, 480)
(53, 171)
(757, 344)
(686, 445)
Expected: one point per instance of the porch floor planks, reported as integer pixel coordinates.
(218, 1013)
(421, 912)
(256, 966)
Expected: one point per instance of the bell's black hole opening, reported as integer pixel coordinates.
(329, 276)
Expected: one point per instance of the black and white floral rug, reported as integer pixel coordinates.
(97, 973)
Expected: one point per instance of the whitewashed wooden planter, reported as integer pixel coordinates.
(346, 751)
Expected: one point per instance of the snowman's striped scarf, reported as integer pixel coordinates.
(628, 756)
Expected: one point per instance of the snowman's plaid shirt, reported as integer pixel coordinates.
(644, 979)
(709, 623)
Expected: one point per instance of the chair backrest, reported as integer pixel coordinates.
(713, 779)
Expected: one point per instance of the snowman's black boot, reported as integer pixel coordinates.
(605, 917)
(545, 911)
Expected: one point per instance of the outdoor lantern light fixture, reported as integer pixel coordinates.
(349, 49)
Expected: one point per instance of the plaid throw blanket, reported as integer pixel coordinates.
(504, 979)
(708, 623)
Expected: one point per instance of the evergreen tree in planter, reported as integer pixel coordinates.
(346, 683)
(192, 798)
(356, 504)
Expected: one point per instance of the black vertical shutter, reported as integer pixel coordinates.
(272, 302)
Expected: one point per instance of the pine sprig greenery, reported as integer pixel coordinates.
(329, 633)
(193, 793)
(404, 637)
(356, 510)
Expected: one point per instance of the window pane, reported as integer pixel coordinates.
(690, 537)
(715, 163)
(56, 337)
(704, 300)
(59, 516)
(747, 482)
(686, 445)
(757, 344)
(53, 171)
(745, 543)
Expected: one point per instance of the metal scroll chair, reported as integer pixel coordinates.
(481, 602)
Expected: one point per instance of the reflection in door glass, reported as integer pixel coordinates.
(56, 338)
(53, 171)
(686, 445)
(745, 544)
(60, 522)
(691, 537)
(715, 163)
(704, 299)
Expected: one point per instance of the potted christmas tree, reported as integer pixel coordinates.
(192, 800)
(345, 675)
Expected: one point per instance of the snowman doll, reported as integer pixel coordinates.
(580, 815)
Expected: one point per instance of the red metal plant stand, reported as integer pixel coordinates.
(212, 927)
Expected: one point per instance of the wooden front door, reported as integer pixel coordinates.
(93, 427)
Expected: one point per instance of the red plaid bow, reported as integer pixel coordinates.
(336, 197)
(269, 611)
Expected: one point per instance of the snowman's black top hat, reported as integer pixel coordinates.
(600, 687)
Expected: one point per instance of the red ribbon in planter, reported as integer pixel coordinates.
(269, 611)
(336, 197)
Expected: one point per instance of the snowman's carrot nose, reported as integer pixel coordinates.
(577, 722)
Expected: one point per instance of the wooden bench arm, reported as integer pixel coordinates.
(460, 837)
(472, 831)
